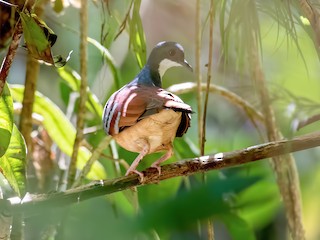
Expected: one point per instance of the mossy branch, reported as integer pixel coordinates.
(186, 167)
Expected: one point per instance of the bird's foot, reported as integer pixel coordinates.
(156, 166)
(140, 174)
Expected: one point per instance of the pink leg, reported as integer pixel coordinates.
(135, 163)
(166, 156)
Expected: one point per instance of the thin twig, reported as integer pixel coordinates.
(198, 68)
(185, 167)
(210, 228)
(95, 155)
(83, 90)
(32, 72)
(307, 121)
(7, 61)
(124, 22)
(209, 75)
(230, 96)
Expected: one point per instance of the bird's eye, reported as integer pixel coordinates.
(172, 52)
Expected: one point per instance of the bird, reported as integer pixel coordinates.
(143, 117)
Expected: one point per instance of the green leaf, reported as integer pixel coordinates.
(34, 35)
(72, 78)
(13, 162)
(189, 206)
(257, 207)
(110, 61)
(137, 37)
(6, 119)
(238, 227)
(39, 39)
(59, 129)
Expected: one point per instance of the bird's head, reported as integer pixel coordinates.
(166, 55)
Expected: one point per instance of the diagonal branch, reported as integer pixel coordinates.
(182, 168)
(227, 94)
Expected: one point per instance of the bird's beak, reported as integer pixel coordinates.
(187, 65)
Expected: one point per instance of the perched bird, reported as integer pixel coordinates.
(141, 116)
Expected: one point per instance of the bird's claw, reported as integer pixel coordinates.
(140, 174)
(157, 167)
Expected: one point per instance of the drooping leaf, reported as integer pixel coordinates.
(72, 78)
(35, 38)
(137, 37)
(60, 129)
(39, 39)
(13, 162)
(6, 119)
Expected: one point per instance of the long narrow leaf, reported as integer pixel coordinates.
(72, 78)
(13, 162)
(137, 37)
(6, 119)
(109, 59)
(59, 128)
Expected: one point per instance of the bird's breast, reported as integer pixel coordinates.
(158, 130)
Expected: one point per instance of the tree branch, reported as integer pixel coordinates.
(82, 91)
(227, 94)
(284, 166)
(197, 68)
(185, 167)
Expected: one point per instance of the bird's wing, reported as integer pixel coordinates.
(175, 103)
(132, 103)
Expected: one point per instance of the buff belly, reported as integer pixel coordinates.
(157, 130)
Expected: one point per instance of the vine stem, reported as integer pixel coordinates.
(82, 92)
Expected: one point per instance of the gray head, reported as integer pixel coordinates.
(166, 55)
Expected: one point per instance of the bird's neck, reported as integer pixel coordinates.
(149, 77)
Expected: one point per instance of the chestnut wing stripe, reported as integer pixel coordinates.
(106, 114)
(112, 116)
(126, 104)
